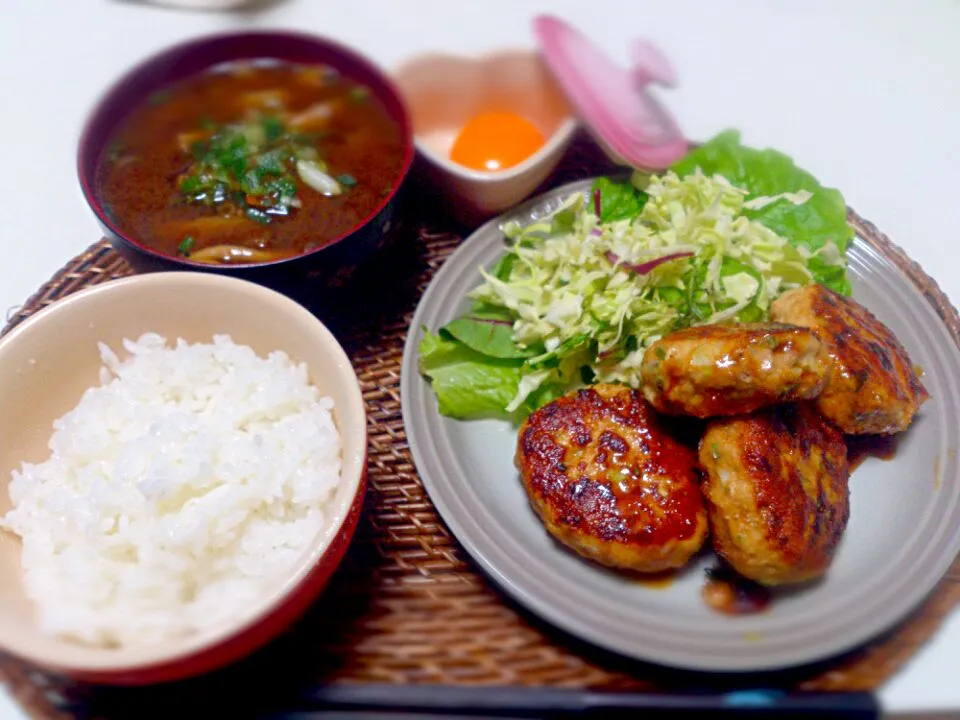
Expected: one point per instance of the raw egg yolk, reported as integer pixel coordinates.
(495, 141)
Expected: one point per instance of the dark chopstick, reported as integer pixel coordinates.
(425, 701)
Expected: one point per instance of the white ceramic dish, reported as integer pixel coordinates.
(443, 92)
(903, 534)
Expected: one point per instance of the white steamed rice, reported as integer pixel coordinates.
(177, 493)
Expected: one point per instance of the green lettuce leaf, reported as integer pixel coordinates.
(471, 385)
(767, 173)
(619, 199)
(468, 384)
(489, 332)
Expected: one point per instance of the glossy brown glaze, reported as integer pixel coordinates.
(873, 387)
(608, 481)
(138, 174)
(777, 493)
(713, 370)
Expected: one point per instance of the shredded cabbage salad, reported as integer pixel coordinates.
(579, 295)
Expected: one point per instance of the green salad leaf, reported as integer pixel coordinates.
(468, 384)
(619, 199)
(811, 225)
(579, 295)
(489, 332)
(472, 385)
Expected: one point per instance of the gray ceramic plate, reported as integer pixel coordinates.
(903, 534)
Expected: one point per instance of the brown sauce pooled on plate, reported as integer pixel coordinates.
(656, 581)
(731, 594)
(653, 580)
(860, 447)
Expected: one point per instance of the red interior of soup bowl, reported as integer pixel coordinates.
(339, 256)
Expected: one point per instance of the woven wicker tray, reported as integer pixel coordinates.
(407, 605)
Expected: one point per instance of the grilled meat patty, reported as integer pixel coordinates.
(872, 387)
(610, 483)
(714, 370)
(776, 489)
